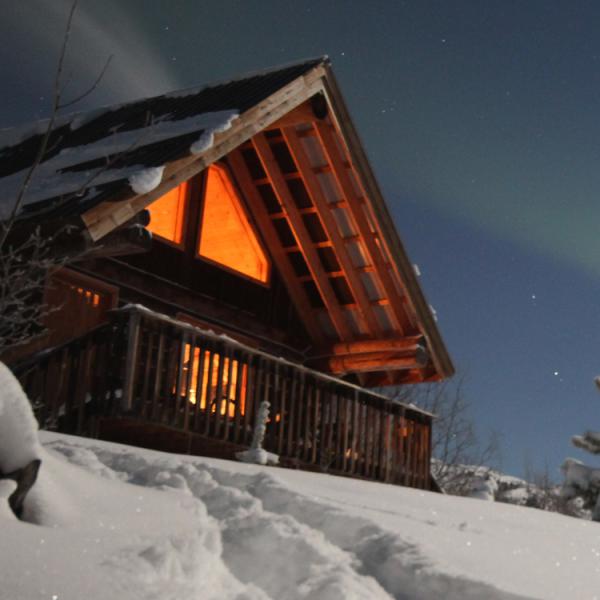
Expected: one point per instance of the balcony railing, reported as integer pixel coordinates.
(155, 372)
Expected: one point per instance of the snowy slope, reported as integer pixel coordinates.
(111, 521)
(204, 528)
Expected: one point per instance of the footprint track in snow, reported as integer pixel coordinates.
(285, 543)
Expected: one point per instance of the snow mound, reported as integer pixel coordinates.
(145, 180)
(207, 137)
(19, 443)
(7, 487)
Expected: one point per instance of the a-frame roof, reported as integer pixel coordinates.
(91, 155)
(287, 136)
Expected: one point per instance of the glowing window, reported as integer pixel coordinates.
(226, 405)
(166, 214)
(227, 237)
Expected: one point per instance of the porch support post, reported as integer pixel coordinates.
(133, 335)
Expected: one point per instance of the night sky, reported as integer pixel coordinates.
(482, 122)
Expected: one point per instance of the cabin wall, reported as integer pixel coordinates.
(174, 279)
(167, 281)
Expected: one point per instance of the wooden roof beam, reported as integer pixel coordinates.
(300, 115)
(382, 345)
(277, 252)
(337, 161)
(316, 194)
(265, 154)
(410, 376)
(376, 361)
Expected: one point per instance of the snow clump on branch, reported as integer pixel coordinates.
(144, 181)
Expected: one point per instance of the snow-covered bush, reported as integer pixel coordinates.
(581, 481)
(19, 445)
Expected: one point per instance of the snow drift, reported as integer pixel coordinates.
(107, 520)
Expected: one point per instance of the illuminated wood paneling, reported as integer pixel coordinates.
(226, 235)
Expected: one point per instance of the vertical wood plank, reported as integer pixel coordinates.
(209, 392)
(355, 433)
(253, 370)
(283, 410)
(147, 362)
(158, 374)
(292, 440)
(198, 411)
(218, 398)
(301, 408)
(345, 405)
(368, 439)
(239, 397)
(131, 361)
(180, 382)
(188, 384)
(317, 432)
(227, 421)
(306, 433)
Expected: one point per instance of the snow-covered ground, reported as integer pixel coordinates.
(120, 522)
(107, 521)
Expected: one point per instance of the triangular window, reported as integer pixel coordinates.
(166, 214)
(227, 236)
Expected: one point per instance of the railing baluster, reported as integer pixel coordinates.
(209, 380)
(158, 375)
(131, 361)
(317, 433)
(291, 439)
(307, 404)
(253, 370)
(147, 362)
(274, 411)
(282, 381)
(227, 417)
(181, 373)
(83, 385)
(200, 380)
(240, 399)
(218, 398)
(189, 375)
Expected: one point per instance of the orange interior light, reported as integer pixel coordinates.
(166, 214)
(227, 237)
(206, 395)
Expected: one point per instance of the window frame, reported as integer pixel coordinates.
(188, 183)
(247, 213)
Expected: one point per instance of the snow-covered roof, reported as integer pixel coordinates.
(101, 154)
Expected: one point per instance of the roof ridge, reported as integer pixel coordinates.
(27, 129)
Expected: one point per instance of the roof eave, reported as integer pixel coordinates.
(436, 345)
(103, 218)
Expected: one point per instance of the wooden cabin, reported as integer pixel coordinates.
(273, 272)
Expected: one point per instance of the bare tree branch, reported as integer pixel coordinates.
(92, 87)
(8, 224)
(458, 454)
(26, 263)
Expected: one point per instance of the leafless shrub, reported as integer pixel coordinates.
(459, 454)
(25, 263)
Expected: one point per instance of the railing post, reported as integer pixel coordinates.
(133, 334)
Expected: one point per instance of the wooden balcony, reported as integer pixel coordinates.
(149, 380)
